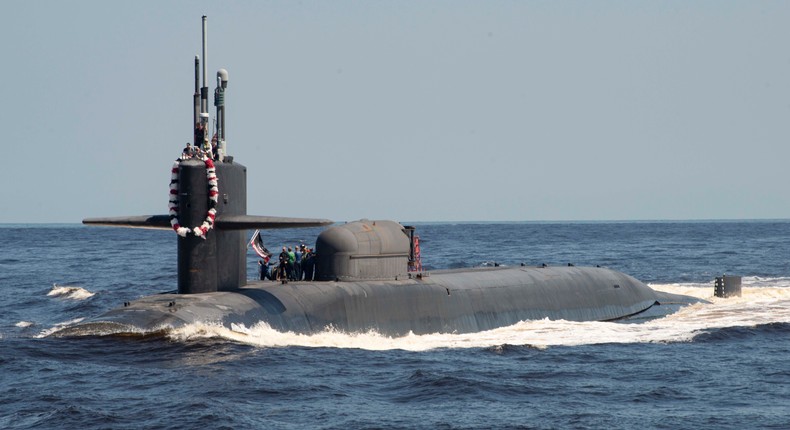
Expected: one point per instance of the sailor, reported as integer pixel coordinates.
(214, 148)
(298, 263)
(291, 260)
(200, 134)
(305, 255)
(282, 269)
(308, 264)
(263, 268)
(189, 151)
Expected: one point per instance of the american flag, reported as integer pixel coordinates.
(257, 244)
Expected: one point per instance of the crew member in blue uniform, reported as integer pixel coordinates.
(298, 263)
(263, 268)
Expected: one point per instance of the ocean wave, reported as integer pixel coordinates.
(727, 334)
(69, 292)
(757, 281)
(24, 324)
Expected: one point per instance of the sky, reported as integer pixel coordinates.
(407, 110)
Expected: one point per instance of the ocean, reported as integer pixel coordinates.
(722, 364)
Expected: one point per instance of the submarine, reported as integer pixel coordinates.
(368, 275)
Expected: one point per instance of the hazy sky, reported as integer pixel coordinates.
(412, 111)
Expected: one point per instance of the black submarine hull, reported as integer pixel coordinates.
(453, 301)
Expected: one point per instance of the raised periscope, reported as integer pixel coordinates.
(367, 273)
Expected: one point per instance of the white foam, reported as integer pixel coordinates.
(24, 324)
(69, 292)
(58, 326)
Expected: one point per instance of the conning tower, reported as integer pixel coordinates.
(209, 192)
(216, 262)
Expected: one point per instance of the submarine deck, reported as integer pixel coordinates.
(447, 301)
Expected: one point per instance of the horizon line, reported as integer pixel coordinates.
(559, 221)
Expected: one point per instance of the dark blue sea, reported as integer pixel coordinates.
(720, 365)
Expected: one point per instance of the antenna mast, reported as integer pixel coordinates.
(204, 115)
(204, 90)
(196, 102)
